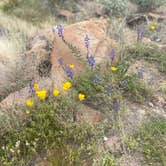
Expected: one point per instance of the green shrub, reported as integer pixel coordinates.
(150, 53)
(48, 127)
(136, 90)
(118, 7)
(152, 141)
(147, 5)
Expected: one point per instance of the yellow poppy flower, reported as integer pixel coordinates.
(81, 96)
(71, 66)
(42, 94)
(36, 87)
(29, 103)
(27, 112)
(152, 27)
(67, 85)
(113, 68)
(56, 92)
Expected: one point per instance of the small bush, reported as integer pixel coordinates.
(118, 7)
(147, 5)
(48, 127)
(150, 53)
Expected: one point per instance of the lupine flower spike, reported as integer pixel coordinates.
(60, 32)
(91, 61)
(69, 72)
(123, 83)
(140, 33)
(31, 88)
(86, 41)
(97, 79)
(112, 55)
(116, 106)
(108, 90)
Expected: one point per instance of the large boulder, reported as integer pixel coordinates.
(44, 50)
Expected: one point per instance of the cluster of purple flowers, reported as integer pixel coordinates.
(112, 55)
(86, 41)
(69, 72)
(140, 33)
(97, 79)
(123, 83)
(116, 106)
(91, 61)
(108, 90)
(60, 32)
(31, 88)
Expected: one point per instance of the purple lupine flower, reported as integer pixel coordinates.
(123, 83)
(31, 88)
(140, 33)
(86, 41)
(97, 79)
(91, 61)
(108, 90)
(60, 32)
(140, 74)
(116, 106)
(158, 28)
(69, 73)
(112, 54)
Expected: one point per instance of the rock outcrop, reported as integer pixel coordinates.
(44, 50)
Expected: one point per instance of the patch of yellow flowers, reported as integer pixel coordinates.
(42, 94)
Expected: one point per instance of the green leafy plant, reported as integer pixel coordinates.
(152, 141)
(48, 126)
(146, 5)
(150, 53)
(117, 7)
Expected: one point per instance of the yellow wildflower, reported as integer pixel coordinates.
(56, 92)
(66, 85)
(29, 103)
(27, 112)
(71, 66)
(42, 94)
(152, 27)
(36, 87)
(113, 68)
(81, 96)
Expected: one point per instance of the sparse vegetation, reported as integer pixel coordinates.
(55, 123)
(151, 138)
(147, 5)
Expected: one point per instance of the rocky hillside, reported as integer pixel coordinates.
(83, 83)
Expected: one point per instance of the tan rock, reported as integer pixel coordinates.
(100, 46)
(88, 115)
(46, 48)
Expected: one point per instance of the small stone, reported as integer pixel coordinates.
(105, 138)
(151, 104)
